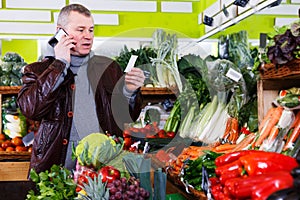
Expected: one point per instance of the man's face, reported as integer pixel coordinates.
(82, 30)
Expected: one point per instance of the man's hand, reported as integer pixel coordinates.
(134, 79)
(63, 48)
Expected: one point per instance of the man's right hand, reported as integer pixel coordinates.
(63, 48)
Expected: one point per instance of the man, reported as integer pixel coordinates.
(73, 92)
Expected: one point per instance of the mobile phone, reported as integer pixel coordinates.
(56, 38)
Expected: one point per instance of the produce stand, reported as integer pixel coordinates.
(14, 165)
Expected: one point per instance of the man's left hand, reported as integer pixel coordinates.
(134, 79)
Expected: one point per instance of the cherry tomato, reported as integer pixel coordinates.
(170, 134)
(126, 133)
(17, 141)
(82, 179)
(161, 133)
(127, 142)
(21, 148)
(10, 149)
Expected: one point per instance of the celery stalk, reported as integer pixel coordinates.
(187, 122)
(200, 125)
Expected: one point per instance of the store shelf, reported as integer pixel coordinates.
(14, 155)
(9, 89)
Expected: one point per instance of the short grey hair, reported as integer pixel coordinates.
(62, 19)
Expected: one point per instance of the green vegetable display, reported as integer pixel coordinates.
(10, 71)
(193, 171)
(54, 184)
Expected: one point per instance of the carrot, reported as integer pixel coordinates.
(194, 153)
(272, 121)
(234, 130)
(295, 133)
(273, 133)
(227, 128)
(224, 147)
(245, 142)
(266, 117)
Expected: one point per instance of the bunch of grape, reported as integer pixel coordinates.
(123, 189)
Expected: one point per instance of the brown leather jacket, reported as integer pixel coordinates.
(53, 108)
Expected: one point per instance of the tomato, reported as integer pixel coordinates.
(170, 134)
(10, 149)
(82, 179)
(2, 136)
(1, 149)
(30, 149)
(132, 149)
(126, 133)
(161, 133)
(17, 141)
(78, 189)
(127, 142)
(89, 172)
(21, 148)
(6, 143)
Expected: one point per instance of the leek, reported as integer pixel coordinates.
(166, 61)
(206, 133)
(206, 117)
(186, 124)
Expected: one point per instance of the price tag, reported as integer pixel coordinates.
(234, 75)
(131, 63)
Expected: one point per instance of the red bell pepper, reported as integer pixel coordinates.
(225, 176)
(232, 156)
(233, 167)
(242, 188)
(264, 162)
(263, 191)
(109, 174)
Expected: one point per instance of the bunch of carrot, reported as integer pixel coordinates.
(294, 133)
(268, 130)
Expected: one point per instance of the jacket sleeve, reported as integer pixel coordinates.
(37, 94)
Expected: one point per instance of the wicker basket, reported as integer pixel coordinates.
(288, 70)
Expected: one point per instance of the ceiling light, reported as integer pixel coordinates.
(241, 3)
(208, 20)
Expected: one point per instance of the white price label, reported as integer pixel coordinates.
(131, 63)
(234, 75)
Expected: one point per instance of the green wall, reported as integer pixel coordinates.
(142, 25)
(27, 49)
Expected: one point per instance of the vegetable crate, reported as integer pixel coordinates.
(14, 171)
(268, 89)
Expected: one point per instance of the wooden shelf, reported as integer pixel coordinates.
(14, 155)
(156, 95)
(9, 89)
(158, 91)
